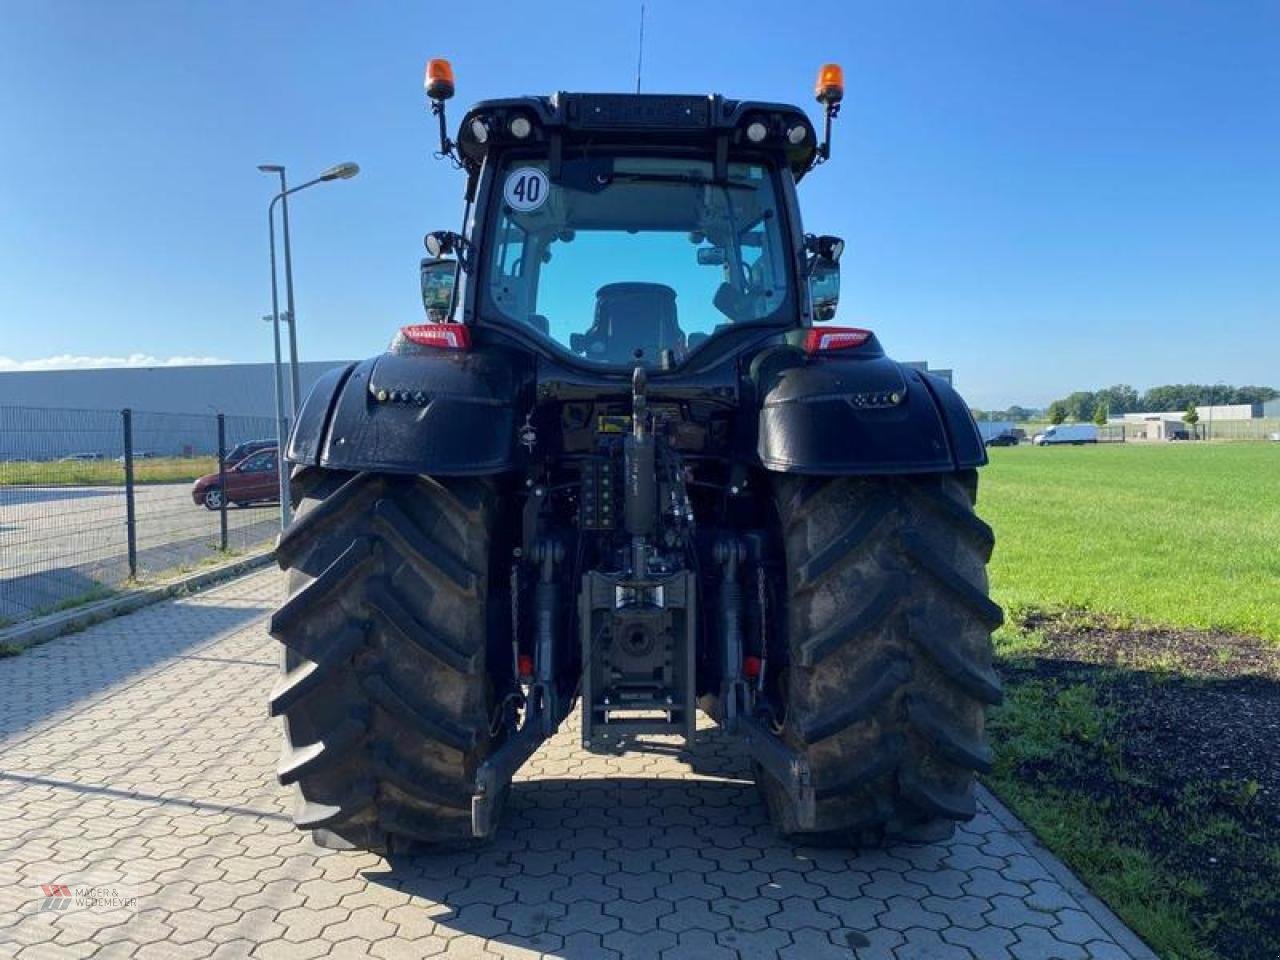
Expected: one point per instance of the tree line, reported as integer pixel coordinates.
(1096, 405)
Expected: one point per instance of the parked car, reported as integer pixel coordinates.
(242, 450)
(1178, 435)
(84, 456)
(1003, 440)
(1075, 433)
(139, 455)
(255, 479)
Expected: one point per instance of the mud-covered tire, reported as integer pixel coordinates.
(387, 701)
(888, 630)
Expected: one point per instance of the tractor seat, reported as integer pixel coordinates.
(635, 316)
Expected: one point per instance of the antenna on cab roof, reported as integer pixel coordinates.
(640, 57)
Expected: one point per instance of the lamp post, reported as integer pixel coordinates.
(343, 171)
(282, 430)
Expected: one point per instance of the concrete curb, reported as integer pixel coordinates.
(1060, 872)
(42, 629)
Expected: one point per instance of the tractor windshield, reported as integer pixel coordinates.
(635, 259)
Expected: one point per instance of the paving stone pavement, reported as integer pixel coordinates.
(137, 772)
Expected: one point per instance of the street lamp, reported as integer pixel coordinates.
(343, 171)
(282, 430)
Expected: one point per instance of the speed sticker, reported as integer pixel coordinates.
(526, 189)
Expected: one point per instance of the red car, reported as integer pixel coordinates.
(254, 479)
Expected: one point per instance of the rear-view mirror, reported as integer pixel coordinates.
(438, 274)
(824, 287)
(711, 256)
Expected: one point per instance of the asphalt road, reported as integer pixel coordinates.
(57, 542)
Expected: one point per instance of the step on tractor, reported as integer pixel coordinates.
(628, 462)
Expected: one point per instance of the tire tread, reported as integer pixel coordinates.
(889, 627)
(381, 576)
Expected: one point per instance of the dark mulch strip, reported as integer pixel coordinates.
(1195, 723)
(1191, 653)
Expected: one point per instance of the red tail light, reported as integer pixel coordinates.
(834, 338)
(446, 336)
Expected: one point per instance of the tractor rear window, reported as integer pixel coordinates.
(624, 258)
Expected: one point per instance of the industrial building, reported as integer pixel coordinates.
(1239, 421)
(53, 414)
(236, 389)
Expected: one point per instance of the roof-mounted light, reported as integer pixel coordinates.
(834, 338)
(439, 79)
(439, 86)
(444, 336)
(830, 86)
(480, 130)
(757, 131)
(796, 134)
(830, 91)
(520, 127)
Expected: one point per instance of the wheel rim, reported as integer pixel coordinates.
(213, 499)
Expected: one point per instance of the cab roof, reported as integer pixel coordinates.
(719, 124)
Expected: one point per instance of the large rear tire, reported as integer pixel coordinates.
(385, 692)
(888, 629)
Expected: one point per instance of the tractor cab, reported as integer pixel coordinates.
(616, 230)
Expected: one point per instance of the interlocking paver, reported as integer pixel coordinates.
(138, 755)
(756, 945)
(985, 943)
(1036, 943)
(925, 942)
(1014, 912)
(638, 916)
(747, 914)
(1076, 926)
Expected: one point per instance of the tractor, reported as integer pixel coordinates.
(628, 462)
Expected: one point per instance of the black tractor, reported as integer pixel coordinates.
(628, 463)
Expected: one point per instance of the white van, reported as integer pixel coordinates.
(1067, 433)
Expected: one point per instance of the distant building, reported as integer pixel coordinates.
(48, 414)
(236, 389)
(1232, 411)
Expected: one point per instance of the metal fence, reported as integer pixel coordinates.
(1258, 428)
(90, 499)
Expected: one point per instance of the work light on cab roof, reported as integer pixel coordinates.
(538, 119)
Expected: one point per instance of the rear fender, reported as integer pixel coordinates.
(856, 412)
(438, 412)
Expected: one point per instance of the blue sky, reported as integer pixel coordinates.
(1043, 195)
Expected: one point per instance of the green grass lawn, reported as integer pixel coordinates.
(1179, 534)
(104, 473)
(1120, 541)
